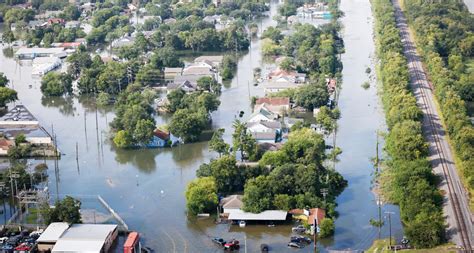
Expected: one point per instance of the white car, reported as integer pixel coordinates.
(3, 239)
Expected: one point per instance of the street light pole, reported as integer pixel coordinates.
(390, 227)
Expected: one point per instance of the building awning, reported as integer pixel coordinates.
(269, 215)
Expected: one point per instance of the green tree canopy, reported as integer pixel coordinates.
(56, 84)
(201, 195)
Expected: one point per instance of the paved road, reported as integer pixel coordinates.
(455, 208)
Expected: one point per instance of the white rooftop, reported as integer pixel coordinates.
(84, 238)
(272, 215)
(39, 50)
(97, 232)
(85, 246)
(53, 232)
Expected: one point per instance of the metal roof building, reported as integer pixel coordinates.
(87, 238)
(51, 235)
(269, 215)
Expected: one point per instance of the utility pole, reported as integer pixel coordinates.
(390, 227)
(315, 234)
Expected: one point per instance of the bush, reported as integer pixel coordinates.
(326, 227)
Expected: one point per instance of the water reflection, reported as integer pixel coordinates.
(64, 104)
(143, 159)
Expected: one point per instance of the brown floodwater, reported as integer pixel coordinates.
(146, 186)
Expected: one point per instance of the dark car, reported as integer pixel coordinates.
(14, 240)
(219, 241)
(264, 247)
(295, 245)
(300, 239)
(232, 245)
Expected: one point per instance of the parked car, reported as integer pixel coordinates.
(264, 247)
(299, 229)
(23, 247)
(300, 239)
(232, 245)
(6, 248)
(3, 239)
(295, 245)
(14, 240)
(219, 241)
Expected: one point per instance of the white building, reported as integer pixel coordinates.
(86, 238)
(43, 65)
(51, 235)
(33, 52)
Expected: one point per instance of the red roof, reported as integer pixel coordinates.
(71, 44)
(162, 135)
(131, 239)
(318, 213)
(273, 101)
(5, 144)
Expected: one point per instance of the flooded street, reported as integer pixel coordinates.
(146, 187)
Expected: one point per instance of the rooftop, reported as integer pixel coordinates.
(53, 232)
(269, 215)
(232, 202)
(18, 114)
(273, 101)
(94, 232)
(212, 58)
(39, 50)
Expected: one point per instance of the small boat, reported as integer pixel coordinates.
(242, 224)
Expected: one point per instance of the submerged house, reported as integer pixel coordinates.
(163, 139)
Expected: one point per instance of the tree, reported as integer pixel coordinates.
(66, 210)
(273, 34)
(210, 102)
(283, 202)
(326, 227)
(287, 64)
(188, 124)
(427, 230)
(143, 133)
(8, 36)
(312, 96)
(21, 138)
(327, 119)
(123, 139)
(226, 174)
(287, 9)
(228, 67)
(174, 100)
(3, 80)
(201, 195)
(165, 57)
(56, 84)
(217, 143)
(243, 141)
(405, 141)
(208, 83)
(257, 195)
(7, 95)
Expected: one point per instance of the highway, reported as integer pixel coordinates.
(455, 208)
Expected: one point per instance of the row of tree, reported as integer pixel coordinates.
(406, 179)
(445, 38)
(7, 95)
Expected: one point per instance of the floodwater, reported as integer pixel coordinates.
(146, 187)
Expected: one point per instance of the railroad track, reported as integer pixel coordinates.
(419, 81)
